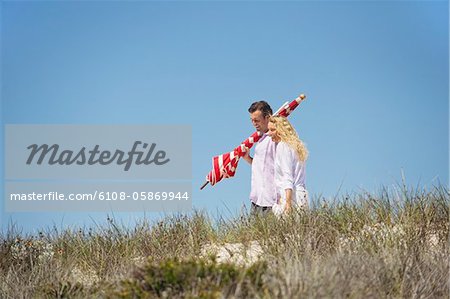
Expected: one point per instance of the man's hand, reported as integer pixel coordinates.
(247, 157)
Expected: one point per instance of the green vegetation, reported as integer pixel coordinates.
(390, 245)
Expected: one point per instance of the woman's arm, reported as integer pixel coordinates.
(287, 209)
(286, 172)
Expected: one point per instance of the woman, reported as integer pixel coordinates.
(290, 158)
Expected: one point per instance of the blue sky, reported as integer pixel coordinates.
(375, 74)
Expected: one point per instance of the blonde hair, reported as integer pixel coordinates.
(287, 134)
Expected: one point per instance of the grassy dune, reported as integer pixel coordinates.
(393, 244)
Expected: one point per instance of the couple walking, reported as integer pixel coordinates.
(278, 164)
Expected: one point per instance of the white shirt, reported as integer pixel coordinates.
(263, 191)
(289, 170)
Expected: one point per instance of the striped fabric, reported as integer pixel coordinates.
(225, 165)
(288, 108)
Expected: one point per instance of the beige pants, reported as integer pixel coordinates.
(299, 200)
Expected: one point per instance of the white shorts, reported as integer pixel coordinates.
(300, 199)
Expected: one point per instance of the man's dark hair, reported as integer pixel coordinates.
(262, 106)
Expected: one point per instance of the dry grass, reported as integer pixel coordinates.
(390, 245)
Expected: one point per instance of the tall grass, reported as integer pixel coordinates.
(390, 245)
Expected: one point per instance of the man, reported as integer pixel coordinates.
(263, 193)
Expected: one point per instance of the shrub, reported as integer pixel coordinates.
(196, 278)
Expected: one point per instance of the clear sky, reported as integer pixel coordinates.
(375, 74)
